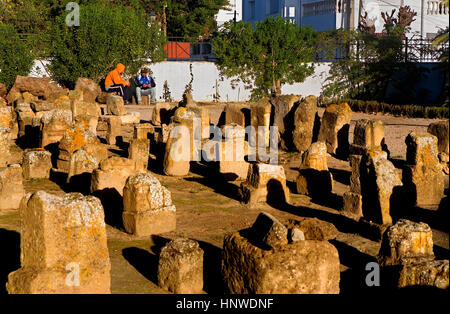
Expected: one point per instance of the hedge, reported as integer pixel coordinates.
(410, 111)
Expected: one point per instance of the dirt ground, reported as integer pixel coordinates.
(208, 208)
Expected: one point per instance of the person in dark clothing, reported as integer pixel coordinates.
(145, 86)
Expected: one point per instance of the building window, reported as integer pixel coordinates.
(291, 11)
(195, 49)
(251, 9)
(321, 7)
(437, 8)
(274, 6)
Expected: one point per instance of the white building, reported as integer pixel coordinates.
(432, 15)
(234, 9)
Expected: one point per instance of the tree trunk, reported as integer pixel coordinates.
(278, 89)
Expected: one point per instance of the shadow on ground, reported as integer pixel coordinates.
(212, 261)
(342, 176)
(10, 260)
(143, 261)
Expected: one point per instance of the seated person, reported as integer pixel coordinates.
(115, 83)
(145, 86)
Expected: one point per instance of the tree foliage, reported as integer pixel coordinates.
(441, 42)
(272, 53)
(369, 63)
(16, 57)
(106, 35)
(188, 19)
(192, 19)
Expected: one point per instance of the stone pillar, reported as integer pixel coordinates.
(314, 178)
(180, 267)
(148, 207)
(422, 176)
(232, 164)
(259, 260)
(139, 151)
(53, 126)
(5, 143)
(74, 138)
(368, 134)
(306, 121)
(334, 129)
(11, 187)
(115, 105)
(264, 183)
(36, 164)
(260, 117)
(63, 246)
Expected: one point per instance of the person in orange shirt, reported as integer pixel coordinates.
(115, 83)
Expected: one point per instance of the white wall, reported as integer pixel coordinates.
(205, 76)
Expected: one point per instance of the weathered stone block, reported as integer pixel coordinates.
(298, 268)
(264, 183)
(54, 124)
(422, 176)
(90, 89)
(260, 121)
(234, 115)
(406, 242)
(427, 273)
(315, 157)
(63, 246)
(5, 117)
(113, 173)
(139, 151)
(11, 187)
(305, 119)
(270, 231)
(73, 139)
(131, 118)
(379, 180)
(314, 229)
(5, 143)
(441, 131)
(86, 159)
(36, 163)
(283, 117)
(352, 205)
(233, 149)
(115, 105)
(142, 131)
(334, 129)
(148, 207)
(161, 113)
(180, 267)
(178, 152)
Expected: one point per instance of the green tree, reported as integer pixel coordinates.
(189, 19)
(441, 42)
(368, 63)
(272, 53)
(106, 35)
(29, 19)
(16, 57)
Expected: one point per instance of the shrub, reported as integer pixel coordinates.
(106, 36)
(410, 111)
(16, 57)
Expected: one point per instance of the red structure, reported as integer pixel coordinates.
(178, 50)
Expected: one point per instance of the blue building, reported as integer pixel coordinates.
(320, 14)
(432, 15)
